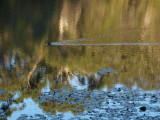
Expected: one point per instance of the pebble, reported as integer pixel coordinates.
(143, 108)
(118, 103)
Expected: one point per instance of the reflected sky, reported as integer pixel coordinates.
(30, 108)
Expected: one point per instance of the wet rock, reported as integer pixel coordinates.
(4, 106)
(119, 89)
(143, 108)
(119, 103)
(110, 96)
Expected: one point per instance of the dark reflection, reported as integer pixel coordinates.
(25, 23)
(27, 63)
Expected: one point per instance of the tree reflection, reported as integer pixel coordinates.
(27, 62)
(23, 37)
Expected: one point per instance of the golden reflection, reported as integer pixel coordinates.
(69, 18)
(24, 51)
(26, 62)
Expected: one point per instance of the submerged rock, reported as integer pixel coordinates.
(143, 108)
(118, 103)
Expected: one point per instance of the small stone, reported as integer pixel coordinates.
(143, 108)
(119, 89)
(153, 96)
(110, 96)
(4, 106)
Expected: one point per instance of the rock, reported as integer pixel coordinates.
(121, 103)
(49, 44)
(119, 89)
(110, 96)
(143, 108)
(4, 106)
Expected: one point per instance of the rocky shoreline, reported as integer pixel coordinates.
(117, 103)
(4, 105)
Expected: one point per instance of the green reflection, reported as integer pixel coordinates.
(24, 39)
(26, 62)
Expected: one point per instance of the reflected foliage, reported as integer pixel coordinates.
(26, 62)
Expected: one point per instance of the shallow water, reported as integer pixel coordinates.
(84, 44)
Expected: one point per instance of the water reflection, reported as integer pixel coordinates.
(28, 107)
(29, 67)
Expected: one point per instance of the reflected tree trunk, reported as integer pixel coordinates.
(35, 65)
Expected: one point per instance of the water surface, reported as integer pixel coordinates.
(100, 44)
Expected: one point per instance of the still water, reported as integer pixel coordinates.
(100, 44)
